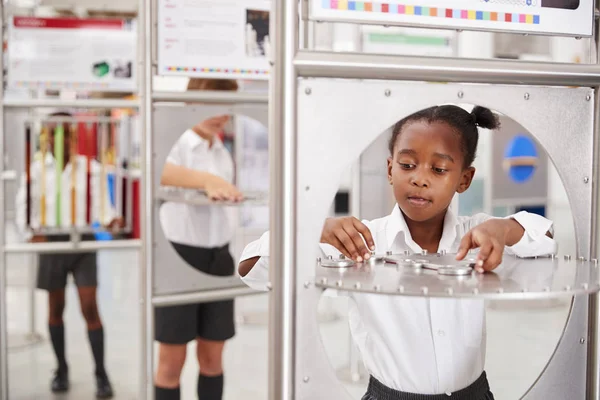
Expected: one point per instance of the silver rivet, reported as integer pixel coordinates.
(324, 281)
(330, 257)
(475, 291)
(526, 96)
(588, 97)
(582, 340)
(342, 257)
(307, 188)
(357, 285)
(567, 288)
(425, 290)
(308, 91)
(581, 259)
(400, 289)
(377, 288)
(306, 379)
(546, 289)
(584, 286)
(339, 283)
(406, 252)
(443, 252)
(307, 284)
(460, 95)
(595, 260)
(500, 290)
(269, 286)
(450, 291)
(567, 258)
(388, 92)
(586, 179)
(424, 252)
(524, 290)
(373, 254)
(388, 253)
(318, 259)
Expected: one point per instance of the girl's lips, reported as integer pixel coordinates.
(418, 201)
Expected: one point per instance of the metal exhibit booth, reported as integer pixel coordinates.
(359, 96)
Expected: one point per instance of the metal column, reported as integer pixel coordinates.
(3, 317)
(282, 136)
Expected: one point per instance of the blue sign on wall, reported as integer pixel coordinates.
(520, 159)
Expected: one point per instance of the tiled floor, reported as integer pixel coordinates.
(521, 338)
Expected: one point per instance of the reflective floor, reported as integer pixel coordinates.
(521, 338)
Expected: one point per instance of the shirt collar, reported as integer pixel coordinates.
(397, 224)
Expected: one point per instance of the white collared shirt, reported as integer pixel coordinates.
(199, 226)
(101, 210)
(418, 345)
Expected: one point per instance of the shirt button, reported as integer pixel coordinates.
(441, 333)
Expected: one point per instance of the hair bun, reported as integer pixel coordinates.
(485, 118)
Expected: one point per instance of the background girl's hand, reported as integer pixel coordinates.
(348, 235)
(219, 189)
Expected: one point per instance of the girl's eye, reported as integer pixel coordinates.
(440, 170)
(406, 166)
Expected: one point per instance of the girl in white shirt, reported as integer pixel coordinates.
(201, 236)
(422, 348)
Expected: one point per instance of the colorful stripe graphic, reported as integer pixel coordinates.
(407, 9)
(219, 70)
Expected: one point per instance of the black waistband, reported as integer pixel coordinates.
(478, 390)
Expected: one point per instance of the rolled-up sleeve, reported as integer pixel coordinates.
(534, 241)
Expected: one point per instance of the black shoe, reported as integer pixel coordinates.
(103, 388)
(60, 382)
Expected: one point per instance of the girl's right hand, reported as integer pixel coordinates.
(350, 236)
(218, 189)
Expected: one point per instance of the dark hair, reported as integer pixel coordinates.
(462, 121)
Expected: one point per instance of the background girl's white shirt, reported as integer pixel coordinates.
(199, 226)
(418, 345)
(108, 214)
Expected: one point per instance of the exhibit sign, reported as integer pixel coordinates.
(72, 53)
(553, 17)
(214, 38)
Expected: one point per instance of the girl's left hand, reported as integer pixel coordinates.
(490, 238)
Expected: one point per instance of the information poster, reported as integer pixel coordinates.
(408, 41)
(555, 17)
(214, 38)
(70, 53)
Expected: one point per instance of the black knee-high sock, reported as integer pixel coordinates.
(210, 387)
(166, 394)
(96, 337)
(57, 336)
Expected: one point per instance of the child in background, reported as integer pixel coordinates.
(424, 348)
(201, 236)
(54, 268)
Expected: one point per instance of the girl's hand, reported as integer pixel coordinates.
(219, 189)
(348, 235)
(490, 237)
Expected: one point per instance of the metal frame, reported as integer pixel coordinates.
(153, 238)
(293, 358)
(32, 248)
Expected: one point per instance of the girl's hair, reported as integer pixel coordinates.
(462, 121)
(212, 84)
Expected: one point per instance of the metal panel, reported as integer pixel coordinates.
(171, 274)
(561, 120)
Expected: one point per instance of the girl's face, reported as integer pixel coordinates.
(426, 169)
